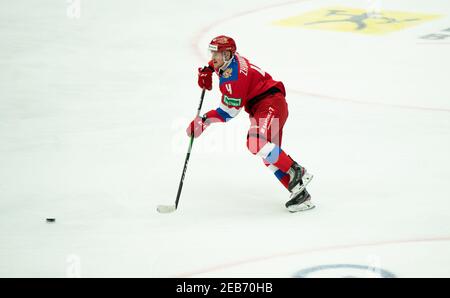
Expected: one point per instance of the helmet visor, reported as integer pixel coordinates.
(215, 55)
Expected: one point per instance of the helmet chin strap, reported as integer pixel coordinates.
(226, 62)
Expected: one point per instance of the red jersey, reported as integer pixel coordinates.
(239, 83)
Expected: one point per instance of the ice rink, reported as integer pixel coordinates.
(95, 97)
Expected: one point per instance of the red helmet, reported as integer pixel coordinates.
(222, 43)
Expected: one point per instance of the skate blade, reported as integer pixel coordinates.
(166, 208)
(299, 188)
(301, 207)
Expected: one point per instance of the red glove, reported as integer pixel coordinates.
(205, 77)
(197, 126)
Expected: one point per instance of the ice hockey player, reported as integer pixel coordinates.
(246, 86)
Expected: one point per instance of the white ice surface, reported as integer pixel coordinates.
(92, 117)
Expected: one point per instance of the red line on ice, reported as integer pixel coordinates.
(306, 251)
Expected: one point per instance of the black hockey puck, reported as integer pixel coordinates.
(50, 220)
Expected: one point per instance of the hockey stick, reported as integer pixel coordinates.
(171, 208)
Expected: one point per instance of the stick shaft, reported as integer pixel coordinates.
(188, 154)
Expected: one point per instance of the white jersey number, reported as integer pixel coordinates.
(228, 87)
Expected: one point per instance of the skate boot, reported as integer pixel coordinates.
(300, 199)
(300, 202)
(298, 178)
(296, 172)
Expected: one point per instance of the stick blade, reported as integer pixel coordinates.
(166, 208)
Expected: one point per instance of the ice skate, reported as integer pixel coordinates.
(300, 202)
(300, 199)
(299, 179)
